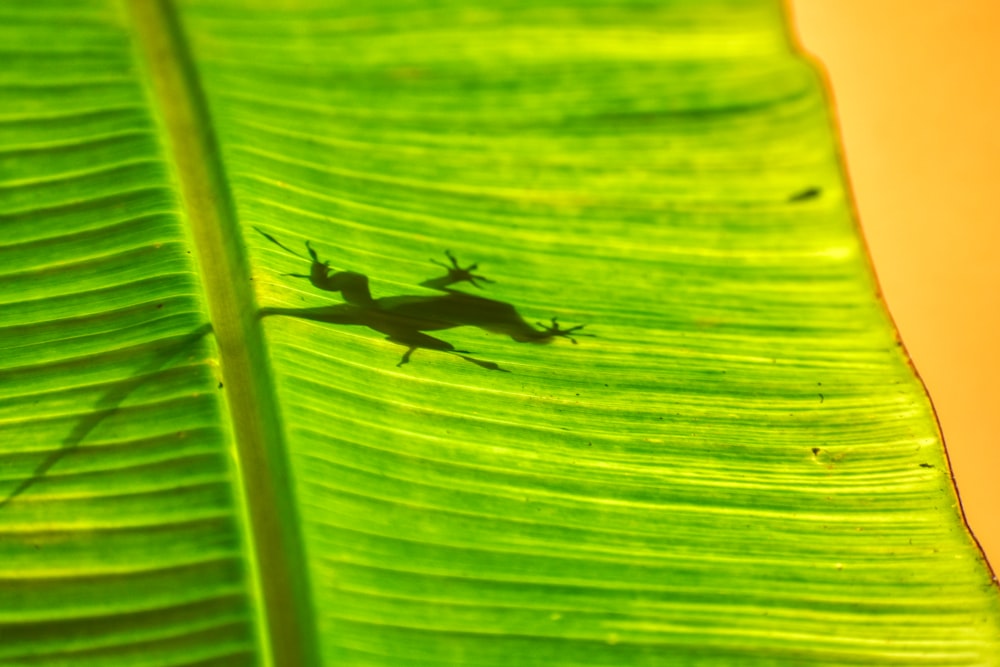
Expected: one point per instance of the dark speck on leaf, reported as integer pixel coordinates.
(926, 465)
(816, 451)
(821, 398)
(805, 195)
(159, 305)
(220, 385)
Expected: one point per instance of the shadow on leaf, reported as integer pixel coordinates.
(406, 318)
(107, 405)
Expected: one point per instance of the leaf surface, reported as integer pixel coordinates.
(206, 459)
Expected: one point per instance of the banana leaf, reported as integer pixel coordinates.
(402, 333)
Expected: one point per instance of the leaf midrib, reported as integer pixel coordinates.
(277, 557)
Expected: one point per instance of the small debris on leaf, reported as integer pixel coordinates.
(806, 195)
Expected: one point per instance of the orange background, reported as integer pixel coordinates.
(917, 91)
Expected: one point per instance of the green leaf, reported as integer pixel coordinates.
(207, 459)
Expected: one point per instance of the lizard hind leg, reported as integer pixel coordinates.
(406, 357)
(414, 340)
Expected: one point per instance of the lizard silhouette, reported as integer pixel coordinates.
(405, 318)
